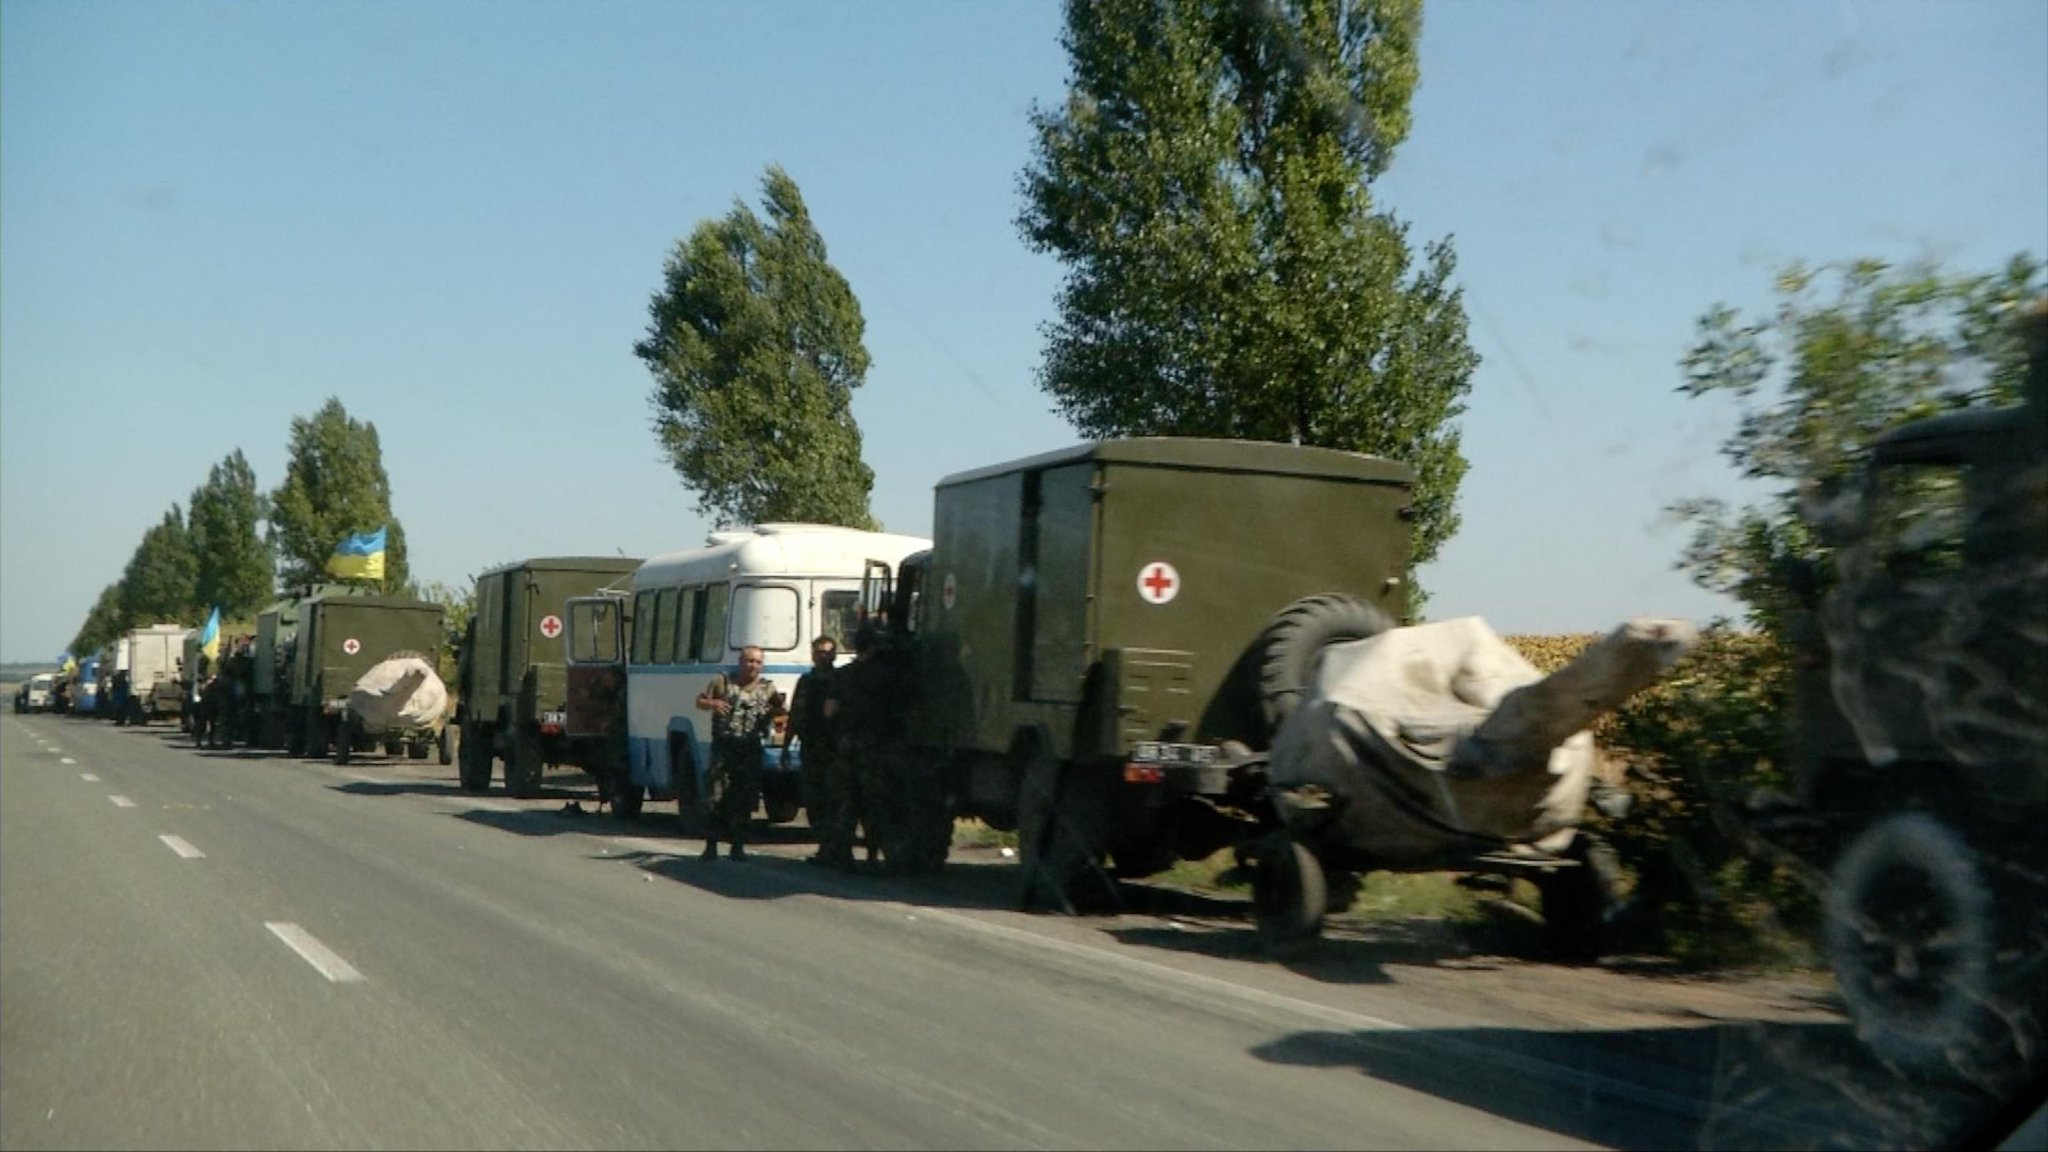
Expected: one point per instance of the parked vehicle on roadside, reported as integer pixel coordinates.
(1919, 741)
(153, 659)
(772, 586)
(37, 693)
(1101, 640)
(512, 684)
(342, 634)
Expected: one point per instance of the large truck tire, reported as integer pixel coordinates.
(925, 817)
(1063, 816)
(1295, 638)
(781, 809)
(523, 764)
(346, 734)
(1290, 894)
(1910, 935)
(627, 800)
(444, 744)
(474, 752)
(318, 734)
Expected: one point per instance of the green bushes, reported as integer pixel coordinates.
(1696, 745)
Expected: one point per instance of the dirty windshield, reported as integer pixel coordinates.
(1093, 573)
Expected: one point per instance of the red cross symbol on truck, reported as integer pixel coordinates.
(551, 626)
(1158, 583)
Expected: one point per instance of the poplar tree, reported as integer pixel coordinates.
(235, 567)
(334, 487)
(1208, 184)
(755, 345)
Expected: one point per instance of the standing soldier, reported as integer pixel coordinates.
(808, 723)
(861, 709)
(743, 707)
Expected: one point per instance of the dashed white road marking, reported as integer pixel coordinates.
(182, 847)
(122, 802)
(313, 952)
(88, 777)
(67, 760)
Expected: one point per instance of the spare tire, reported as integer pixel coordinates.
(1296, 636)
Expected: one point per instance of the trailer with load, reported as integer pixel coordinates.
(512, 681)
(342, 634)
(400, 703)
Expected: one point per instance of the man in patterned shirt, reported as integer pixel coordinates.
(743, 708)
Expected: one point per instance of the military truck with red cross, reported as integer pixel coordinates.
(512, 678)
(1101, 641)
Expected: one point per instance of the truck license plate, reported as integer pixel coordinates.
(554, 718)
(1158, 753)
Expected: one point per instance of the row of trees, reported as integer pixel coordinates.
(232, 545)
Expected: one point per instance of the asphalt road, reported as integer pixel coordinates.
(233, 950)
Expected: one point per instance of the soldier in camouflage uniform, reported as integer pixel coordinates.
(743, 708)
(865, 711)
(809, 724)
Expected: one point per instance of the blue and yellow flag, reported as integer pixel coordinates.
(209, 636)
(359, 557)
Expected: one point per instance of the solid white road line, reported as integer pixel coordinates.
(314, 952)
(88, 777)
(182, 847)
(122, 802)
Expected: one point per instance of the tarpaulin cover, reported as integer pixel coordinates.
(401, 692)
(1437, 741)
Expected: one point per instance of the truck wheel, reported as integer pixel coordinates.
(317, 734)
(416, 749)
(444, 744)
(1295, 638)
(626, 800)
(1910, 936)
(926, 817)
(1574, 914)
(474, 750)
(346, 734)
(523, 765)
(781, 809)
(1289, 893)
(1062, 823)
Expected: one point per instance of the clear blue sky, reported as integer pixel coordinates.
(451, 215)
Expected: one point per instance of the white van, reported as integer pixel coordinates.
(41, 687)
(774, 586)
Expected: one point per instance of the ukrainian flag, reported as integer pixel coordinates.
(209, 636)
(359, 557)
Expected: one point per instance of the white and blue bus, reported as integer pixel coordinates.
(772, 586)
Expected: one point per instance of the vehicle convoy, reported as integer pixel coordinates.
(1101, 641)
(772, 586)
(1919, 737)
(512, 682)
(343, 632)
(153, 659)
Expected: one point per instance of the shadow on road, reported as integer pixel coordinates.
(1745, 1085)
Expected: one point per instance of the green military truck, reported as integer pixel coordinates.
(341, 635)
(277, 631)
(512, 679)
(1919, 736)
(1101, 640)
